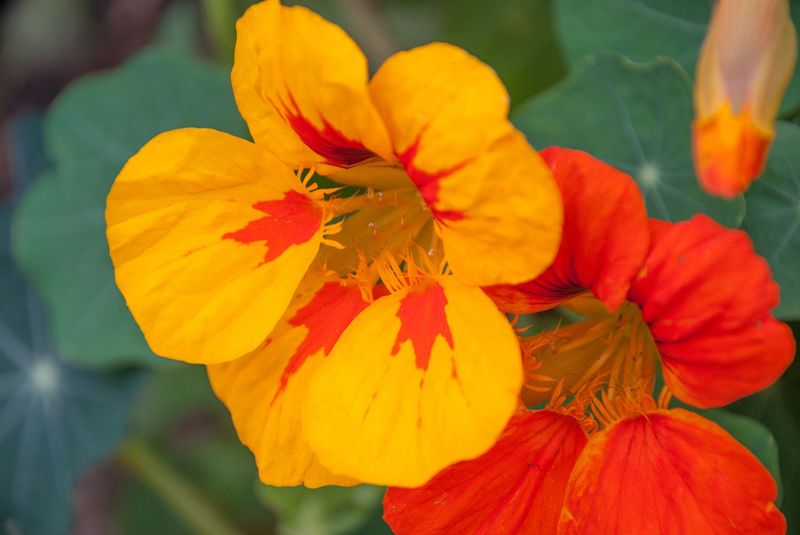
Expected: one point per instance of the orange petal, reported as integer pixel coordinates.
(301, 84)
(266, 389)
(516, 487)
(744, 68)
(210, 236)
(603, 244)
(420, 379)
(730, 151)
(669, 472)
(707, 298)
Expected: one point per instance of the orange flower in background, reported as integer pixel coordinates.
(605, 455)
(744, 68)
(347, 335)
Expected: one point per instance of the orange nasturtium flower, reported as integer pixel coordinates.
(604, 455)
(744, 68)
(348, 336)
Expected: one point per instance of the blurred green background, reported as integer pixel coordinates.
(97, 435)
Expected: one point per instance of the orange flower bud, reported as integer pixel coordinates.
(745, 65)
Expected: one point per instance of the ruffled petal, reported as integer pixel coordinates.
(421, 379)
(516, 487)
(300, 82)
(707, 298)
(209, 236)
(490, 193)
(603, 244)
(266, 389)
(665, 473)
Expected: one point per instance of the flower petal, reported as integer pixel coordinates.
(209, 236)
(421, 379)
(442, 107)
(707, 298)
(744, 67)
(669, 472)
(516, 487)
(604, 242)
(446, 113)
(266, 389)
(511, 232)
(300, 82)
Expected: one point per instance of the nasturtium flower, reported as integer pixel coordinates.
(692, 296)
(745, 65)
(347, 333)
(604, 455)
(649, 470)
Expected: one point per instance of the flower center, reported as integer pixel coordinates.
(608, 358)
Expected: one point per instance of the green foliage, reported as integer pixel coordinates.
(644, 29)
(636, 118)
(55, 420)
(59, 232)
(325, 511)
(773, 216)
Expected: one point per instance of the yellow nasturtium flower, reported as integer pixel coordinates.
(745, 65)
(348, 335)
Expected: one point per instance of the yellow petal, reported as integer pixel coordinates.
(421, 379)
(442, 107)
(209, 236)
(512, 230)
(301, 84)
(496, 203)
(266, 389)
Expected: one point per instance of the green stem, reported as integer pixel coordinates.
(176, 492)
(220, 18)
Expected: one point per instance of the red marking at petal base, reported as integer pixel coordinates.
(328, 142)
(422, 319)
(326, 317)
(289, 221)
(428, 183)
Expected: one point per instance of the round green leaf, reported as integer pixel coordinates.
(59, 231)
(773, 216)
(754, 436)
(55, 420)
(645, 29)
(636, 118)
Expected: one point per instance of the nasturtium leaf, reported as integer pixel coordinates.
(752, 435)
(773, 216)
(323, 511)
(637, 118)
(26, 143)
(645, 29)
(59, 232)
(55, 420)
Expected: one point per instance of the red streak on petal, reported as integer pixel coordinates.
(428, 183)
(289, 221)
(326, 317)
(328, 142)
(422, 319)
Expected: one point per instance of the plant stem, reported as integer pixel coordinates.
(174, 490)
(220, 17)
